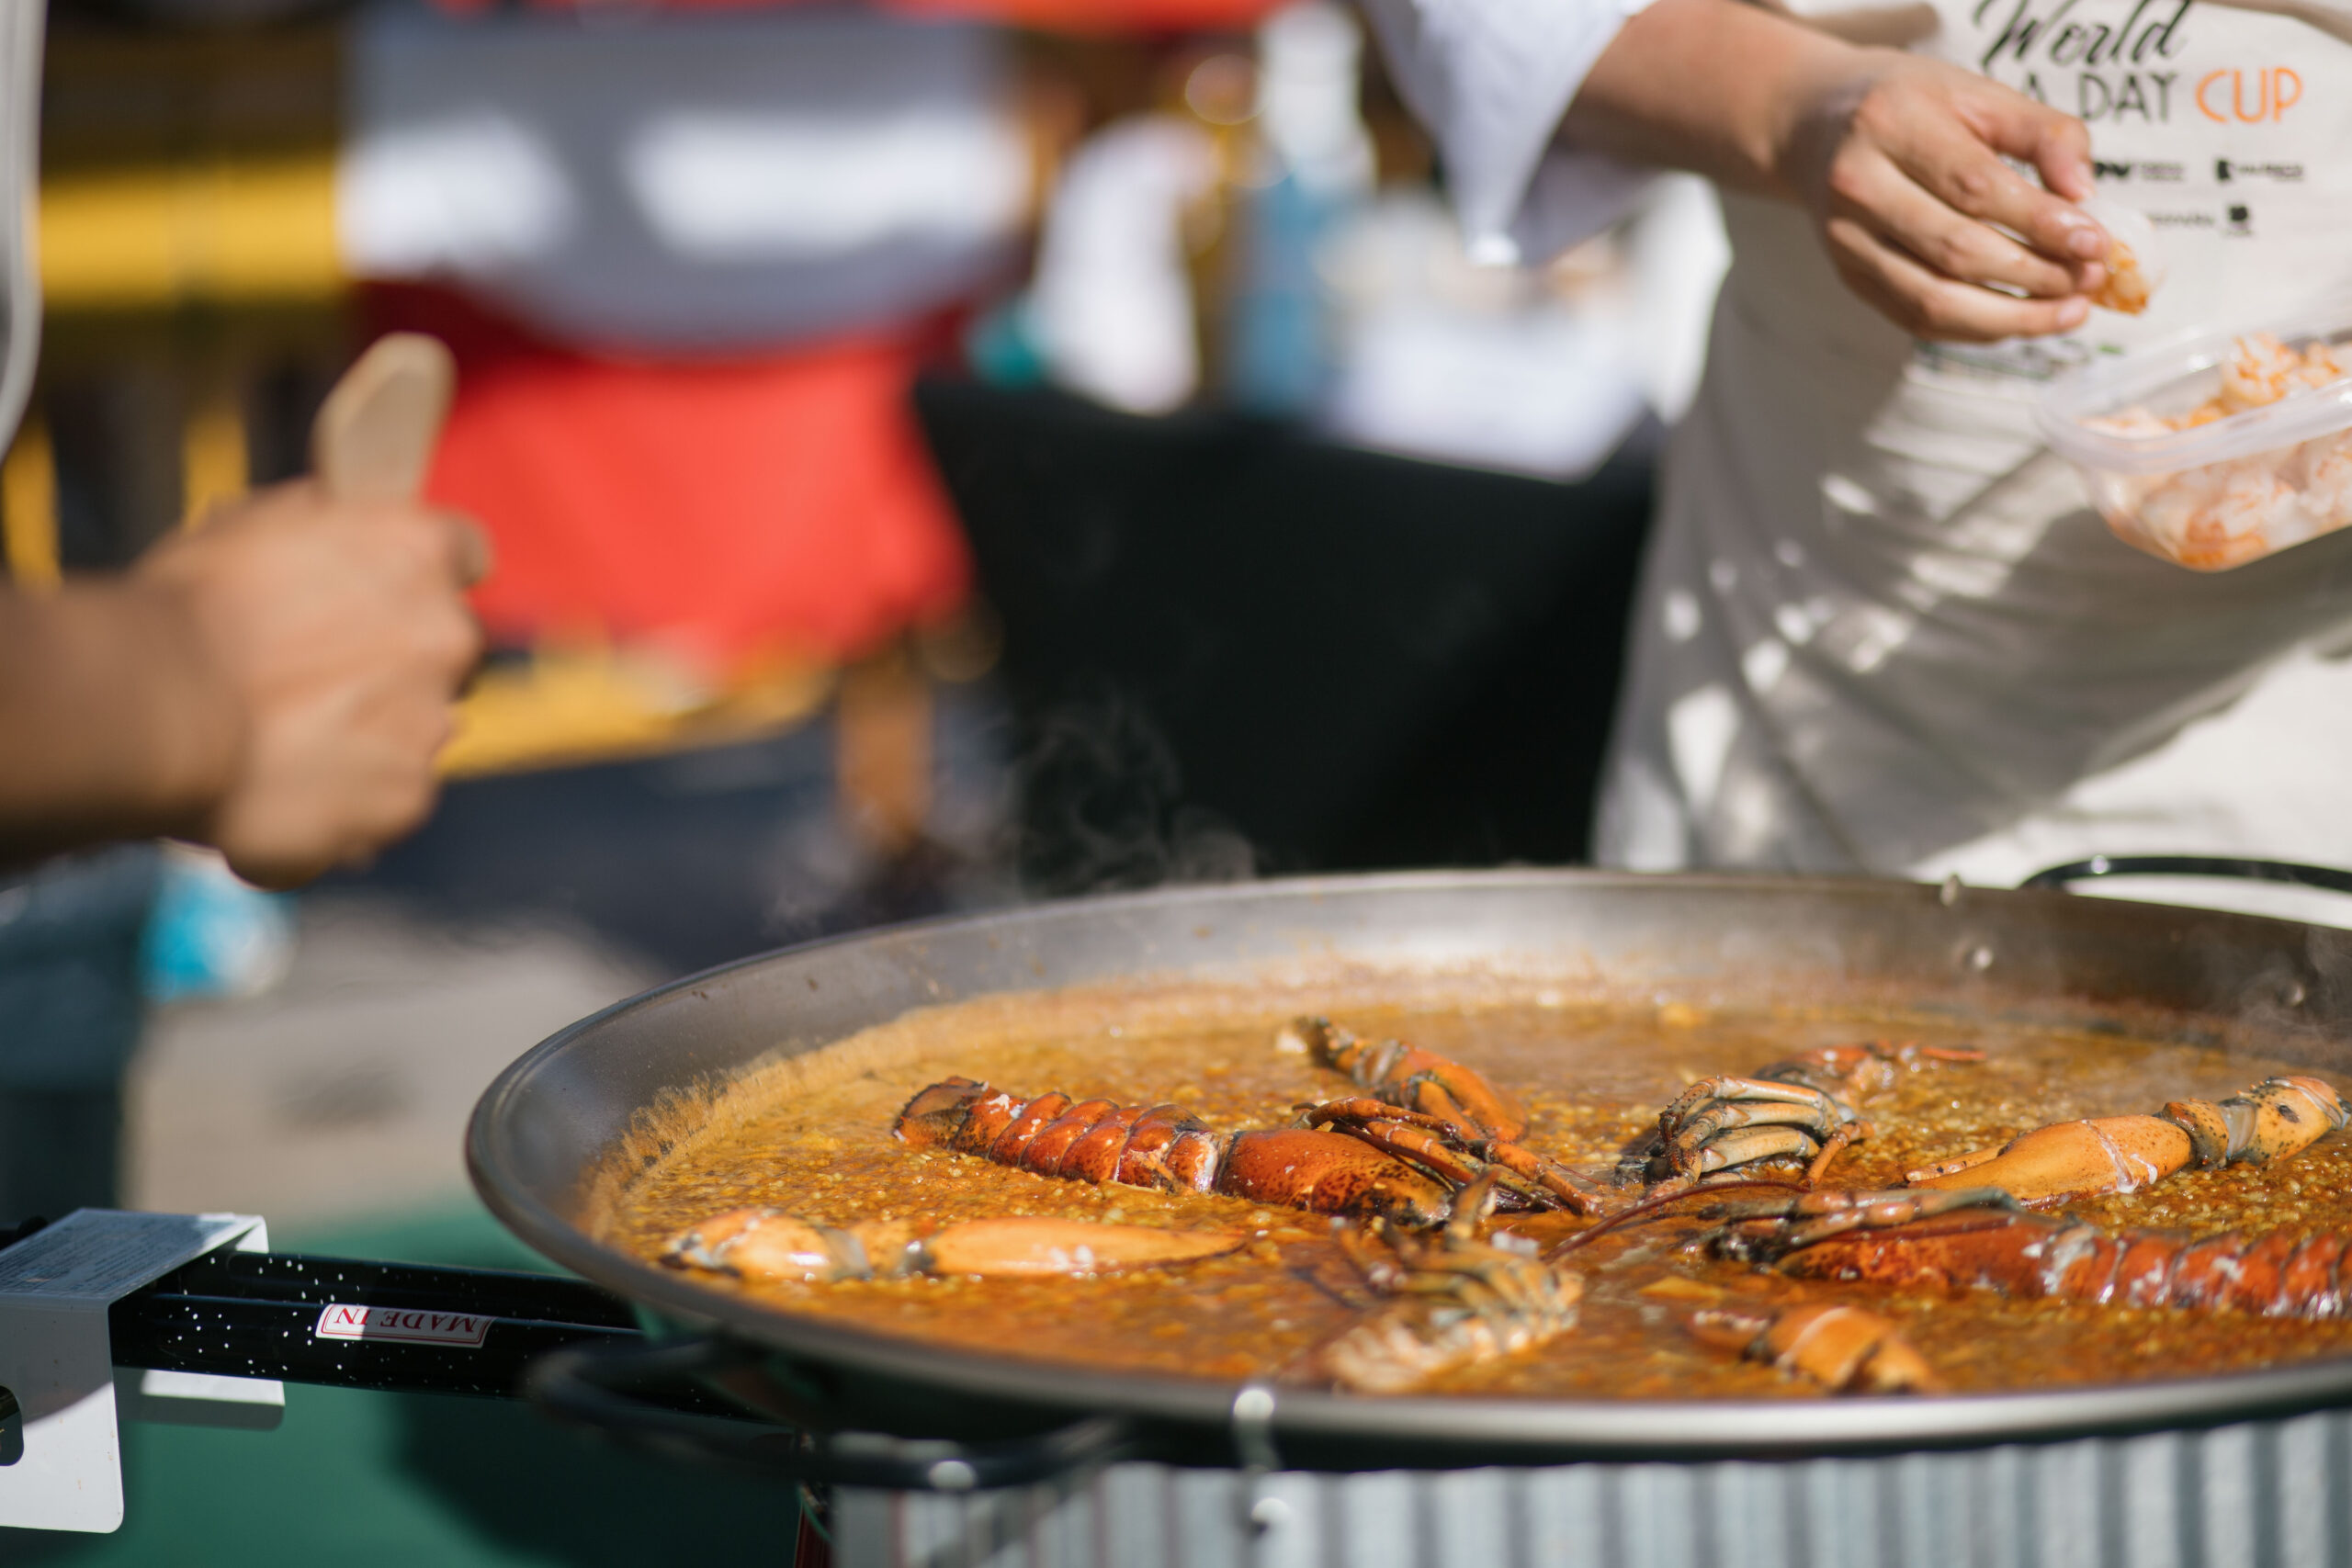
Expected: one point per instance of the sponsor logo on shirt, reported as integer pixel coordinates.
(2117, 66)
(2080, 56)
(2248, 97)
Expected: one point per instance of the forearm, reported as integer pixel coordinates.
(1716, 87)
(113, 723)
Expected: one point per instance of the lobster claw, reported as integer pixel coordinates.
(1765, 1230)
(2276, 1118)
(1454, 1301)
(1844, 1348)
(2072, 1159)
(769, 1247)
(1026, 1248)
(1412, 1079)
(763, 1246)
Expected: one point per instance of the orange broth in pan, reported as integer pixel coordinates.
(811, 1135)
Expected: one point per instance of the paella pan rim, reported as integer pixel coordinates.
(1419, 1430)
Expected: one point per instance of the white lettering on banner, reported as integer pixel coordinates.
(337, 1321)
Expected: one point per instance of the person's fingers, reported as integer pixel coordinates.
(445, 635)
(473, 657)
(449, 644)
(2057, 145)
(1871, 189)
(460, 547)
(470, 548)
(1956, 160)
(1929, 305)
(456, 547)
(384, 790)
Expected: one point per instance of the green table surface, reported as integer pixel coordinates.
(356, 1479)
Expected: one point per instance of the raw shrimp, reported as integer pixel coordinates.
(2127, 288)
(2323, 366)
(2224, 514)
(2134, 269)
(2259, 371)
(2326, 466)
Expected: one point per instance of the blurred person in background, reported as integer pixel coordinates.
(1880, 629)
(275, 683)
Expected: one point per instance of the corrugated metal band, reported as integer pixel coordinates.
(2266, 1494)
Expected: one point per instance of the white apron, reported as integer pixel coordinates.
(1880, 630)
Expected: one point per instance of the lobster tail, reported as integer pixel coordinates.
(1087, 1140)
(1094, 1140)
(2032, 1256)
(962, 1114)
(2278, 1275)
(1331, 1173)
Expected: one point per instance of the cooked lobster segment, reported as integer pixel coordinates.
(1844, 1348)
(2066, 1160)
(1526, 1177)
(1454, 1300)
(1438, 1114)
(1425, 1128)
(1410, 1078)
(1979, 1239)
(1361, 1154)
(1094, 1140)
(768, 1246)
(1805, 1108)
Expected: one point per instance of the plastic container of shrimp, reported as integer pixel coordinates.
(2220, 448)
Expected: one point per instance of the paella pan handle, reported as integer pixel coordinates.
(2225, 866)
(617, 1391)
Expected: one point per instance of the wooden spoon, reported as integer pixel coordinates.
(374, 437)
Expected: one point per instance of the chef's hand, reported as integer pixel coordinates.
(1898, 159)
(334, 636)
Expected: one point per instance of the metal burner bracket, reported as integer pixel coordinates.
(61, 1456)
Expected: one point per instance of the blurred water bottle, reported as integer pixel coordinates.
(211, 934)
(1315, 166)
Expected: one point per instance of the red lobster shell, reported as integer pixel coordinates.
(1094, 1140)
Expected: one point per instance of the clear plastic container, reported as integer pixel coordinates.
(2220, 448)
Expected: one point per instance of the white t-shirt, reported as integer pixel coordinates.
(1880, 629)
(20, 36)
